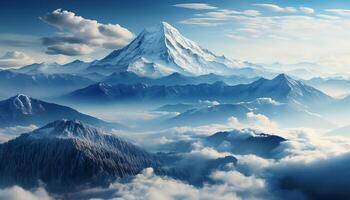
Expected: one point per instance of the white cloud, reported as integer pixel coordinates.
(14, 59)
(218, 17)
(9, 133)
(276, 8)
(287, 32)
(341, 12)
(330, 17)
(79, 36)
(306, 10)
(293, 32)
(231, 186)
(252, 13)
(238, 181)
(201, 22)
(18, 193)
(195, 6)
(260, 122)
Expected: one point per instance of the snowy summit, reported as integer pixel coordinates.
(162, 50)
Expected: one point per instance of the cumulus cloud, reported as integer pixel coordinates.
(238, 180)
(261, 122)
(18, 193)
(195, 6)
(79, 36)
(230, 186)
(13, 59)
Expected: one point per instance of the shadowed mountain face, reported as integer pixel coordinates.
(245, 141)
(282, 88)
(67, 155)
(24, 110)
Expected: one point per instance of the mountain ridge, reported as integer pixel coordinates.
(24, 110)
(282, 88)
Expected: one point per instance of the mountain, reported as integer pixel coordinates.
(174, 79)
(142, 92)
(162, 50)
(197, 174)
(302, 70)
(24, 110)
(245, 141)
(38, 68)
(179, 107)
(126, 78)
(286, 114)
(157, 51)
(75, 67)
(68, 155)
(282, 88)
(289, 114)
(208, 115)
(335, 86)
(12, 83)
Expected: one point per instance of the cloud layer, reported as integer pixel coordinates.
(80, 36)
(287, 28)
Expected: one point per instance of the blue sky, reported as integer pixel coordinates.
(256, 31)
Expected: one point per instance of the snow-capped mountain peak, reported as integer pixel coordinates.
(23, 104)
(285, 79)
(68, 129)
(69, 155)
(162, 50)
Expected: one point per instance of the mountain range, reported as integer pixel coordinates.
(40, 84)
(156, 52)
(286, 114)
(75, 67)
(335, 86)
(282, 88)
(174, 79)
